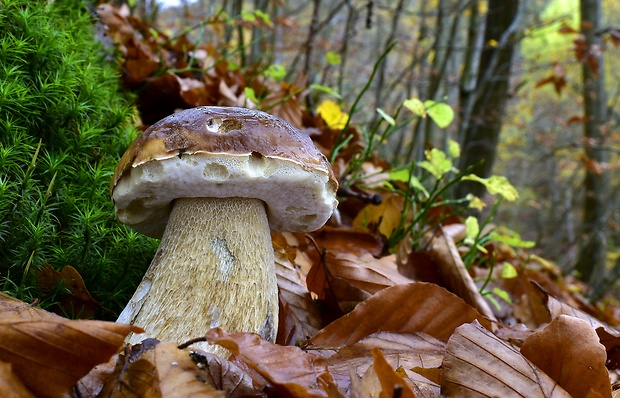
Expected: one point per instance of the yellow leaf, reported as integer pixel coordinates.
(332, 114)
(415, 106)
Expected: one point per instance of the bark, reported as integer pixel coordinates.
(482, 114)
(258, 50)
(382, 68)
(448, 23)
(590, 263)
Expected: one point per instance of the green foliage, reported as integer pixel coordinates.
(63, 127)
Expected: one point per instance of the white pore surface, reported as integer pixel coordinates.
(297, 199)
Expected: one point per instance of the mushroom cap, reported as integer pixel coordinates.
(224, 152)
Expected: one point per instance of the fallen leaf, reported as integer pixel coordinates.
(159, 371)
(391, 382)
(568, 351)
(348, 240)
(478, 364)
(406, 350)
(92, 384)
(51, 355)
(10, 385)
(365, 272)
(289, 369)
(383, 218)
(299, 317)
(227, 376)
(77, 302)
(445, 254)
(348, 279)
(608, 336)
(412, 307)
(12, 308)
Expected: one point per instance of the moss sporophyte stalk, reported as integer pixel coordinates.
(63, 126)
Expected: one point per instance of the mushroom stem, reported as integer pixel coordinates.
(214, 267)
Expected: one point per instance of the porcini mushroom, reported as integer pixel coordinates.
(211, 182)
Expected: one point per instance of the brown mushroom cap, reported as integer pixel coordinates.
(224, 152)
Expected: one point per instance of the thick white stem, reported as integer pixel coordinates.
(214, 267)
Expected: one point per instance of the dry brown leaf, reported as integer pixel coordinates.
(51, 355)
(365, 272)
(299, 317)
(178, 374)
(285, 97)
(12, 308)
(530, 307)
(92, 384)
(78, 302)
(391, 382)
(412, 307)
(227, 376)
(348, 240)
(163, 371)
(478, 364)
(608, 336)
(406, 350)
(568, 351)
(446, 255)
(289, 369)
(10, 385)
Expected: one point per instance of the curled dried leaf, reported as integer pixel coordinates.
(568, 351)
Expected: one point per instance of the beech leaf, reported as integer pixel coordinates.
(568, 351)
(51, 355)
(290, 369)
(411, 307)
(450, 266)
(478, 364)
(390, 380)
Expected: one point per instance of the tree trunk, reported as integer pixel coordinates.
(482, 114)
(592, 254)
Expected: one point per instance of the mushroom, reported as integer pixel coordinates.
(211, 182)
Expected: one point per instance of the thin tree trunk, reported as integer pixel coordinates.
(592, 254)
(381, 73)
(471, 64)
(447, 28)
(258, 51)
(481, 134)
(349, 33)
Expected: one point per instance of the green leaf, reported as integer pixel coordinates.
(472, 228)
(502, 294)
(509, 271)
(276, 71)
(325, 89)
(250, 95)
(511, 238)
(441, 113)
(475, 202)
(386, 117)
(264, 16)
(248, 16)
(493, 301)
(333, 58)
(496, 185)
(415, 106)
(404, 176)
(454, 149)
(437, 164)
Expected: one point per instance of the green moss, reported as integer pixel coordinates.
(63, 127)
